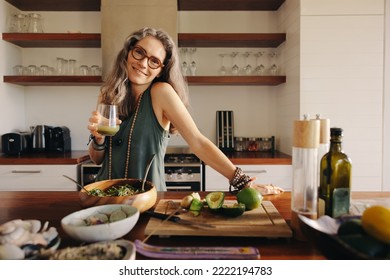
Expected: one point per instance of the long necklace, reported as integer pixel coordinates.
(128, 143)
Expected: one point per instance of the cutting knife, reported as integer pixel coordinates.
(177, 219)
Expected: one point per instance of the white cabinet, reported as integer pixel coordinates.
(277, 175)
(38, 177)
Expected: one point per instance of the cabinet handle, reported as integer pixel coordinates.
(255, 171)
(26, 171)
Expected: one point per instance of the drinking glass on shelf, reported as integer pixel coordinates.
(60, 66)
(84, 70)
(108, 115)
(259, 66)
(247, 67)
(222, 69)
(184, 64)
(17, 70)
(72, 67)
(44, 70)
(32, 70)
(235, 68)
(192, 51)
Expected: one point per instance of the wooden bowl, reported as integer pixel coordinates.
(142, 201)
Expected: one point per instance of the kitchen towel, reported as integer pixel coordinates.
(122, 17)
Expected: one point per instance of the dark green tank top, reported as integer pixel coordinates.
(148, 138)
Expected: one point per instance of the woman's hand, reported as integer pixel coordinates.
(92, 126)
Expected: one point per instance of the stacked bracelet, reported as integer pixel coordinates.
(96, 146)
(239, 181)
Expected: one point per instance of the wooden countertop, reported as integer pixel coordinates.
(34, 205)
(73, 157)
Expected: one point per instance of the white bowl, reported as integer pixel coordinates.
(76, 224)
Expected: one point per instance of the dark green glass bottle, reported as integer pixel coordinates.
(335, 178)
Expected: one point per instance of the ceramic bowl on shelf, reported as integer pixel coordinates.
(101, 223)
(142, 201)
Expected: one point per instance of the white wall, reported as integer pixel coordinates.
(342, 56)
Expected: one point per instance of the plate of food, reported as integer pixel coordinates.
(106, 250)
(345, 238)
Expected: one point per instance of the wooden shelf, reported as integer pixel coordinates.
(182, 5)
(56, 5)
(231, 40)
(229, 5)
(54, 80)
(54, 40)
(236, 80)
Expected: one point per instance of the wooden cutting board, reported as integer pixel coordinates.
(264, 221)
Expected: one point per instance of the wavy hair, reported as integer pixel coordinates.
(116, 88)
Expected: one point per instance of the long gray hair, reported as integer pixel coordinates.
(116, 89)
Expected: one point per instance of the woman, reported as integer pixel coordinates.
(152, 97)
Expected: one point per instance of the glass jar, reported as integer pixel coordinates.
(35, 23)
(265, 144)
(72, 67)
(239, 144)
(253, 144)
(84, 70)
(18, 23)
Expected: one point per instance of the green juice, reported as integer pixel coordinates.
(107, 130)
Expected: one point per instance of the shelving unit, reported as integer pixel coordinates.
(199, 40)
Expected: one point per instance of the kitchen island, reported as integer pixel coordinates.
(53, 206)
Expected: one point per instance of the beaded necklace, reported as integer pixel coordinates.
(128, 143)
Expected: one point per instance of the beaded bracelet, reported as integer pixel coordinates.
(96, 146)
(239, 181)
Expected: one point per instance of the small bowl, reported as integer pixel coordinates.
(142, 201)
(76, 223)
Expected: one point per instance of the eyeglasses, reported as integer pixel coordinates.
(139, 54)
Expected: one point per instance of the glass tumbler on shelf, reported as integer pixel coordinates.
(17, 70)
(44, 70)
(18, 23)
(34, 23)
(72, 67)
(84, 70)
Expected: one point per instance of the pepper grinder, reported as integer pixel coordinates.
(304, 192)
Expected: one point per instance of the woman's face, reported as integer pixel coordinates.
(149, 52)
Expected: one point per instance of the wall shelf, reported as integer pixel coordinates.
(231, 40)
(56, 5)
(229, 5)
(236, 80)
(54, 80)
(54, 40)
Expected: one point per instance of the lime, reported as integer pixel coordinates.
(250, 197)
(376, 222)
(215, 200)
(233, 211)
(117, 215)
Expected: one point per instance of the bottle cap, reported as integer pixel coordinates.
(336, 131)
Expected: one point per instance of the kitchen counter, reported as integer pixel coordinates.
(73, 157)
(35, 205)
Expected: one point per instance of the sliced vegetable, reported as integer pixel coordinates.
(196, 206)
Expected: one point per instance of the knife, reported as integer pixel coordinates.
(177, 219)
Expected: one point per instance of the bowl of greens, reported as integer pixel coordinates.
(119, 191)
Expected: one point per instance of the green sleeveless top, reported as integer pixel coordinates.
(148, 138)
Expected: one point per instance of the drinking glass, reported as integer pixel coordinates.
(184, 64)
(108, 115)
(259, 66)
(192, 51)
(247, 67)
(222, 69)
(235, 68)
(274, 68)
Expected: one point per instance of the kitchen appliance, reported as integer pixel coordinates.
(183, 170)
(60, 140)
(41, 137)
(16, 143)
(47, 138)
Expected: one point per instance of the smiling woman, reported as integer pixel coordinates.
(151, 93)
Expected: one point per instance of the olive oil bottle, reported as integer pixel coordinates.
(335, 178)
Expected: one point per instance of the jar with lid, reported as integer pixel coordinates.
(18, 23)
(253, 144)
(265, 144)
(239, 144)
